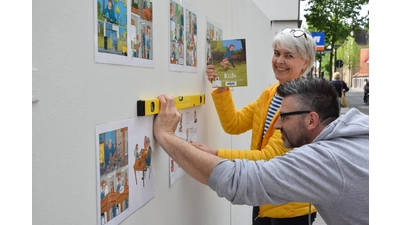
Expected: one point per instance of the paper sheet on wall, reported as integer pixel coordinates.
(124, 32)
(213, 33)
(186, 130)
(125, 174)
(182, 37)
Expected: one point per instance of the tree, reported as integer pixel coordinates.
(338, 19)
(349, 52)
(326, 65)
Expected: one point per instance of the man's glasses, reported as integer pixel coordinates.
(296, 32)
(282, 115)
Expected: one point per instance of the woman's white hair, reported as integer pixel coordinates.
(300, 46)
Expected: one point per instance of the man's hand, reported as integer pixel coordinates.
(197, 164)
(168, 118)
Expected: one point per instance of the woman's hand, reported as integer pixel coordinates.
(211, 75)
(204, 148)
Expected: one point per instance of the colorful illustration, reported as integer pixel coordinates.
(114, 195)
(120, 193)
(186, 130)
(191, 38)
(141, 26)
(143, 159)
(112, 27)
(176, 35)
(124, 32)
(229, 59)
(182, 37)
(213, 33)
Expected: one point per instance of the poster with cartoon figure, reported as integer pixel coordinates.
(123, 32)
(191, 38)
(213, 33)
(230, 62)
(186, 130)
(125, 176)
(182, 37)
(176, 37)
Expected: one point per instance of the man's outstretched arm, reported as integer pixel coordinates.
(196, 163)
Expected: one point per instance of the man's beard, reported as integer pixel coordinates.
(295, 141)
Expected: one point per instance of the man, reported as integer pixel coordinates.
(109, 13)
(119, 181)
(143, 33)
(173, 53)
(366, 91)
(148, 42)
(228, 54)
(109, 151)
(104, 189)
(328, 166)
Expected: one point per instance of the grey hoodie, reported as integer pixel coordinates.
(332, 173)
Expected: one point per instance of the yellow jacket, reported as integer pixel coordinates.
(253, 117)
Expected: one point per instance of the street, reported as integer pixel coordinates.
(355, 100)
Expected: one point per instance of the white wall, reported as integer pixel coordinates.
(75, 94)
(279, 10)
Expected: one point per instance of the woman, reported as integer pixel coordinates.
(294, 56)
(339, 85)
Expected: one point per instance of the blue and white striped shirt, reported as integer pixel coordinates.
(273, 107)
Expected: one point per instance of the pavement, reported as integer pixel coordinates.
(344, 110)
(355, 100)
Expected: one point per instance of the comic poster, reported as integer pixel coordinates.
(182, 37)
(213, 33)
(176, 37)
(125, 176)
(124, 32)
(191, 38)
(186, 130)
(229, 59)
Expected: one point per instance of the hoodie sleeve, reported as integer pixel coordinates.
(280, 180)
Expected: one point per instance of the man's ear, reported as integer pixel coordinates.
(312, 120)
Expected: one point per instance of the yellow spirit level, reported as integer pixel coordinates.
(151, 107)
